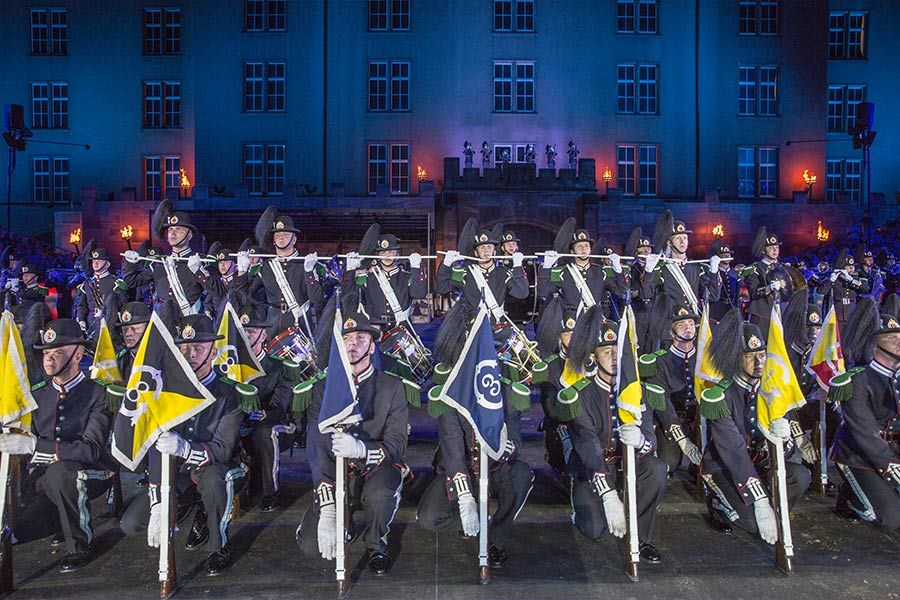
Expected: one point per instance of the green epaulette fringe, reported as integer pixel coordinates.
(712, 401)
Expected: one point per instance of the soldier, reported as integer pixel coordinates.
(845, 287)
(130, 322)
(641, 290)
(677, 424)
(26, 288)
(222, 280)
(865, 448)
(65, 448)
(290, 283)
(94, 292)
(374, 448)
(596, 437)
(204, 448)
(729, 281)
(181, 275)
(519, 310)
(733, 464)
(865, 262)
(767, 280)
(580, 283)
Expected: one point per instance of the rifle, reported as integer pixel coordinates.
(632, 545)
(167, 576)
(820, 475)
(340, 497)
(8, 501)
(784, 547)
(484, 567)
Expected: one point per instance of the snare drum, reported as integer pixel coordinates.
(401, 344)
(292, 347)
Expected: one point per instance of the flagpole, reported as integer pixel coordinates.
(784, 548)
(340, 555)
(167, 576)
(6, 551)
(484, 567)
(821, 428)
(632, 544)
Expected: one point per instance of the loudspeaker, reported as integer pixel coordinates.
(13, 117)
(865, 116)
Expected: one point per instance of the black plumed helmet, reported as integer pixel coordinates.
(451, 336)
(564, 235)
(369, 243)
(465, 244)
(726, 349)
(858, 337)
(585, 338)
(795, 330)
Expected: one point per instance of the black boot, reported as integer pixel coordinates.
(714, 517)
(269, 503)
(57, 540)
(75, 560)
(649, 553)
(379, 564)
(218, 562)
(199, 533)
(496, 556)
(843, 507)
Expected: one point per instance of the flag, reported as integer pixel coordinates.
(339, 402)
(16, 400)
(105, 369)
(234, 357)
(826, 359)
(779, 390)
(628, 381)
(473, 387)
(705, 374)
(161, 392)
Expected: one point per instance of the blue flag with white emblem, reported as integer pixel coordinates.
(339, 402)
(473, 386)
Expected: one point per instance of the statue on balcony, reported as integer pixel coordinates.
(573, 154)
(530, 154)
(550, 151)
(485, 154)
(468, 152)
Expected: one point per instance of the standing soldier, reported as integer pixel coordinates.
(729, 281)
(221, 281)
(94, 292)
(845, 286)
(519, 310)
(641, 288)
(865, 262)
(767, 280)
(26, 288)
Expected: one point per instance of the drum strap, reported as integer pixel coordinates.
(682, 282)
(489, 299)
(587, 298)
(384, 283)
(177, 288)
(290, 300)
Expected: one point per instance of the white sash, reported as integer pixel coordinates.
(682, 282)
(176, 288)
(400, 315)
(587, 298)
(290, 300)
(495, 309)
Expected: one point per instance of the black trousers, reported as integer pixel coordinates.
(510, 483)
(57, 498)
(871, 496)
(667, 450)
(587, 507)
(730, 504)
(377, 493)
(265, 443)
(217, 485)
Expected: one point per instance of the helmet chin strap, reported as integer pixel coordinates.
(64, 367)
(599, 366)
(184, 241)
(205, 358)
(293, 240)
(888, 352)
(683, 339)
(363, 357)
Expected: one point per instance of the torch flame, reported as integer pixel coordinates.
(185, 182)
(719, 230)
(421, 173)
(822, 234)
(126, 232)
(75, 236)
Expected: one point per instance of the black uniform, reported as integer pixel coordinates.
(597, 451)
(865, 447)
(641, 289)
(305, 286)
(675, 374)
(501, 280)
(142, 273)
(92, 295)
(212, 466)
(601, 281)
(375, 481)
(735, 461)
(458, 463)
(845, 291)
(556, 433)
(729, 297)
(757, 278)
(69, 465)
(362, 288)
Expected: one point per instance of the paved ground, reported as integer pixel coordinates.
(548, 558)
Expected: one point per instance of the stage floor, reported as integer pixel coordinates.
(548, 558)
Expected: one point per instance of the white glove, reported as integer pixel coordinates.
(807, 449)
(132, 256)
(690, 450)
(616, 262)
(172, 443)
(615, 513)
(243, 261)
(550, 258)
(834, 276)
(468, 514)
(714, 262)
(327, 531)
(780, 428)
(83, 326)
(13, 284)
(765, 520)
(631, 435)
(450, 257)
(309, 263)
(517, 259)
(775, 285)
(650, 262)
(257, 415)
(347, 446)
(415, 260)
(154, 527)
(193, 262)
(16, 443)
(353, 261)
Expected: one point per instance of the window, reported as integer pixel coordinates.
(521, 74)
(514, 15)
(843, 101)
(263, 169)
(49, 105)
(49, 31)
(636, 164)
(388, 15)
(264, 15)
(162, 177)
(842, 180)
(757, 172)
(642, 78)
(50, 180)
(758, 17)
(513, 152)
(388, 75)
(394, 171)
(162, 104)
(637, 16)
(758, 91)
(162, 31)
(264, 86)
(847, 35)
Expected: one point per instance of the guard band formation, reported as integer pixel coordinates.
(204, 367)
